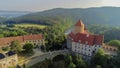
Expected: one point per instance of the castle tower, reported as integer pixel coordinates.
(82, 42)
(79, 27)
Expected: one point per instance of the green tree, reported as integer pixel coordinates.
(1, 35)
(114, 43)
(7, 48)
(98, 66)
(100, 52)
(69, 63)
(16, 46)
(28, 47)
(98, 58)
(103, 59)
(11, 25)
(117, 58)
(14, 33)
(79, 62)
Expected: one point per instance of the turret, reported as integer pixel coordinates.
(79, 27)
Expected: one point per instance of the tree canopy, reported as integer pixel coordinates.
(28, 47)
(16, 46)
(114, 43)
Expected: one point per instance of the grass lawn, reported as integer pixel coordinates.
(30, 25)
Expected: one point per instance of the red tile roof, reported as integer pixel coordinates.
(86, 38)
(33, 37)
(8, 40)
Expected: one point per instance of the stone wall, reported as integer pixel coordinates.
(9, 61)
(111, 50)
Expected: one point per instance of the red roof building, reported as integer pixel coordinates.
(90, 39)
(8, 40)
(81, 41)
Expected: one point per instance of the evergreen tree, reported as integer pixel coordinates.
(16, 46)
(28, 47)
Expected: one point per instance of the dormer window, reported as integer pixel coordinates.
(79, 40)
(87, 35)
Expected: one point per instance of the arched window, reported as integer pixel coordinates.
(114, 49)
(110, 48)
(85, 53)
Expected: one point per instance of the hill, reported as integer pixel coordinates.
(100, 15)
(9, 14)
(2, 19)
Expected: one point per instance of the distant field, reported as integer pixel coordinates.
(30, 25)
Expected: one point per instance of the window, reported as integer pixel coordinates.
(87, 35)
(75, 46)
(114, 49)
(93, 52)
(95, 49)
(110, 48)
(85, 48)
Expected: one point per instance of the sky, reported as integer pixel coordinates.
(40, 5)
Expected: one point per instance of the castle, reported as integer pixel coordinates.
(80, 41)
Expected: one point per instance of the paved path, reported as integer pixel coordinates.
(37, 52)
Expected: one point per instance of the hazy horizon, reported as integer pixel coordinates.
(41, 5)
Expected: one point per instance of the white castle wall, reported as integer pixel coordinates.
(84, 48)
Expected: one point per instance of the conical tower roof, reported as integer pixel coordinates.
(79, 23)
